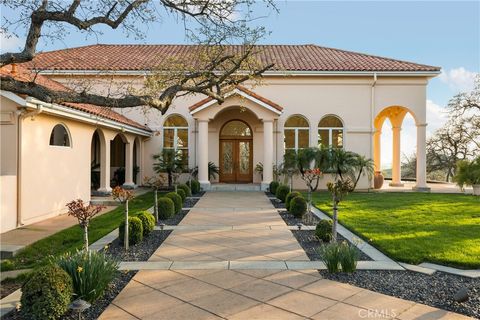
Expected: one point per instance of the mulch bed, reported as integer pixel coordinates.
(310, 244)
(139, 252)
(435, 290)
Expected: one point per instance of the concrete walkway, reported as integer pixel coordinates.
(251, 293)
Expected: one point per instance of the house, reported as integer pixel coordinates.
(312, 96)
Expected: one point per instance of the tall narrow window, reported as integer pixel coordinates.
(60, 136)
(296, 133)
(330, 132)
(175, 135)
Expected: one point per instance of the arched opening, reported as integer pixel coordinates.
(330, 132)
(394, 140)
(117, 160)
(95, 160)
(175, 136)
(136, 160)
(296, 133)
(236, 152)
(60, 136)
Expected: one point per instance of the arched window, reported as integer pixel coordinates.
(236, 128)
(175, 135)
(330, 132)
(60, 136)
(296, 133)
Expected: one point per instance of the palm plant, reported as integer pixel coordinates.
(363, 166)
(170, 162)
(213, 171)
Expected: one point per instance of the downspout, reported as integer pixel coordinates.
(372, 115)
(23, 114)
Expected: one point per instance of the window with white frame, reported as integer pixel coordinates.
(59, 136)
(330, 132)
(296, 133)
(175, 135)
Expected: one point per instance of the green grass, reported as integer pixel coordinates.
(414, 227)
(70, 239)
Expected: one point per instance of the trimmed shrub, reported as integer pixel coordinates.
(182, 194)
(166, 208)
(298, 206)
(330, 254)
(184, 187)
(194, 186)
(348, 257)
(91, 273)
(323, 230)
(46, 294)
(148, 222)
(177, 201)
(135, 231)
(282, 192)
(273, 187)
(289, 197)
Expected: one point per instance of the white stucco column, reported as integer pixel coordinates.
(267, 153)
(104, 166)
(203, 154)
(129, 184)
(377, 149)
(396, 165)
(421, 184)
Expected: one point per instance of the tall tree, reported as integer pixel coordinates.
(212, 71)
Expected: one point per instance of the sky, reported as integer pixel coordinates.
(439, 33)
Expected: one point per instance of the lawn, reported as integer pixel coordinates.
(414, 227)
(71, 238)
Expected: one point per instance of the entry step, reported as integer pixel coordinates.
(235, 187)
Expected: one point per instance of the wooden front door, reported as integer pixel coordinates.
(236, 161)
(236, 152)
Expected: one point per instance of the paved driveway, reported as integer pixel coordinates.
(244, 229)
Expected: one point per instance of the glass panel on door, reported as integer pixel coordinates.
(227, 157)
(244, 157)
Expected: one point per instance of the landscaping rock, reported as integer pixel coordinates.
(461, 295)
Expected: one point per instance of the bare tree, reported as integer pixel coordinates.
(208, 23)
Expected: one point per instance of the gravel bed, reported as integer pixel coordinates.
(310, 244)
(277, 203)
(190, 202)
(435, 290)
(8, 287)
(290, 219)
(198, 194)
(140, 251)
(175, 220)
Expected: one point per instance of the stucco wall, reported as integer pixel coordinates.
(349, 98)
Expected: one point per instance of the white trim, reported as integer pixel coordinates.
(68, 112)
(241, 93)
(266, 73)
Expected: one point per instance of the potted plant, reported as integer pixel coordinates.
(468, 173)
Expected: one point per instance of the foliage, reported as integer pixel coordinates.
(323, 230)
(298, 206)
(135, 231)
(289, 197)
(330, 254)
(118, 178)
(169, 162)
(148, 222)
(194, 186)
(84, 214)
(259, 169)
(443, 230)
(282, 192)
(348, 257)
(122, 195)
(166, 208)
(46, 294)
(468, 173)
(182, 194)
(91, 273)
(70, 239)
(155, 182)
(273, 187)
(213, 171)
(186, 189)
(177, 201)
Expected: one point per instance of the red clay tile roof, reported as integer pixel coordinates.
(285, 57)
(245, 90)
(25, 75)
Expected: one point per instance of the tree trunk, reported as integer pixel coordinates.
(126, 235)
(335, 218)
(85, 237)
(170, 179)
(155, 206)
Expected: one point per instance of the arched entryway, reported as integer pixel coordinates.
(236, 152)
(95, 159)
(117, 160)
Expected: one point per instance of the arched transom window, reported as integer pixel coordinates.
(330, 132)
(296, 133)
(175, 135)
(236, 128)
(60, 136)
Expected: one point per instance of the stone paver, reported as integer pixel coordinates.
(237, 268)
